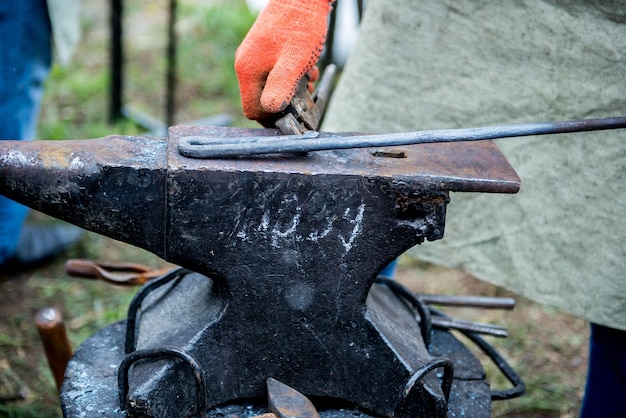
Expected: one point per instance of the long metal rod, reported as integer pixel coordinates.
(470, 326)
(204, 147)
(469, 301)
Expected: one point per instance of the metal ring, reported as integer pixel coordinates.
(446, 381)
(152, 353)
(135, 304)
(420, 373)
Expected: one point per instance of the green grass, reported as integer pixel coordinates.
(76, 102)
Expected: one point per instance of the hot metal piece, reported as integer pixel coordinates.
(292, 245)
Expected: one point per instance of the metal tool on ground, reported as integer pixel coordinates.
(470, 326)
(459, 301)
(210, 147)
(485, 302)
(131, 274)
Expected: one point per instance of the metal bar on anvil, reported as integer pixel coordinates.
(293, 245)
(211, 147)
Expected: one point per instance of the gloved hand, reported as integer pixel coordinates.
(283, 45)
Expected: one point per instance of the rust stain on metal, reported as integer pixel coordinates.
(287, 402)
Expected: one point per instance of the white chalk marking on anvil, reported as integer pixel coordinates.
(206, 147)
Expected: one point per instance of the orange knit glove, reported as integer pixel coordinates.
(283, 45)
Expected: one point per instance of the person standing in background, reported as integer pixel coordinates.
(27, 28)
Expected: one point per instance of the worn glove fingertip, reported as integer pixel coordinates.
(278, 92)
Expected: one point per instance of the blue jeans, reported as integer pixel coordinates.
(25, 60)
(606, 379)
(390, 270)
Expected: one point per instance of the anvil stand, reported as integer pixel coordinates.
(292, 246)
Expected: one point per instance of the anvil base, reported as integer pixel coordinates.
(91, 382)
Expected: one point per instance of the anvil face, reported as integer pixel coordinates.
(292, 245)
(142, 191)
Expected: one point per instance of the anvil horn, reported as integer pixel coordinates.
(114, 186)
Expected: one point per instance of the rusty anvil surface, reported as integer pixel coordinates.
(292, 244)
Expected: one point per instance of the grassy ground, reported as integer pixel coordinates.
(548, 348)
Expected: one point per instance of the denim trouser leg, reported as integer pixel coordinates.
(390, 270)
(606, 377)
(25, 59)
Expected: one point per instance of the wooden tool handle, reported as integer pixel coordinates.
(54, 339)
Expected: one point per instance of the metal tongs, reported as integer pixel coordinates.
(305, 111)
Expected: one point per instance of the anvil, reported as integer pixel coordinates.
(292, 244)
